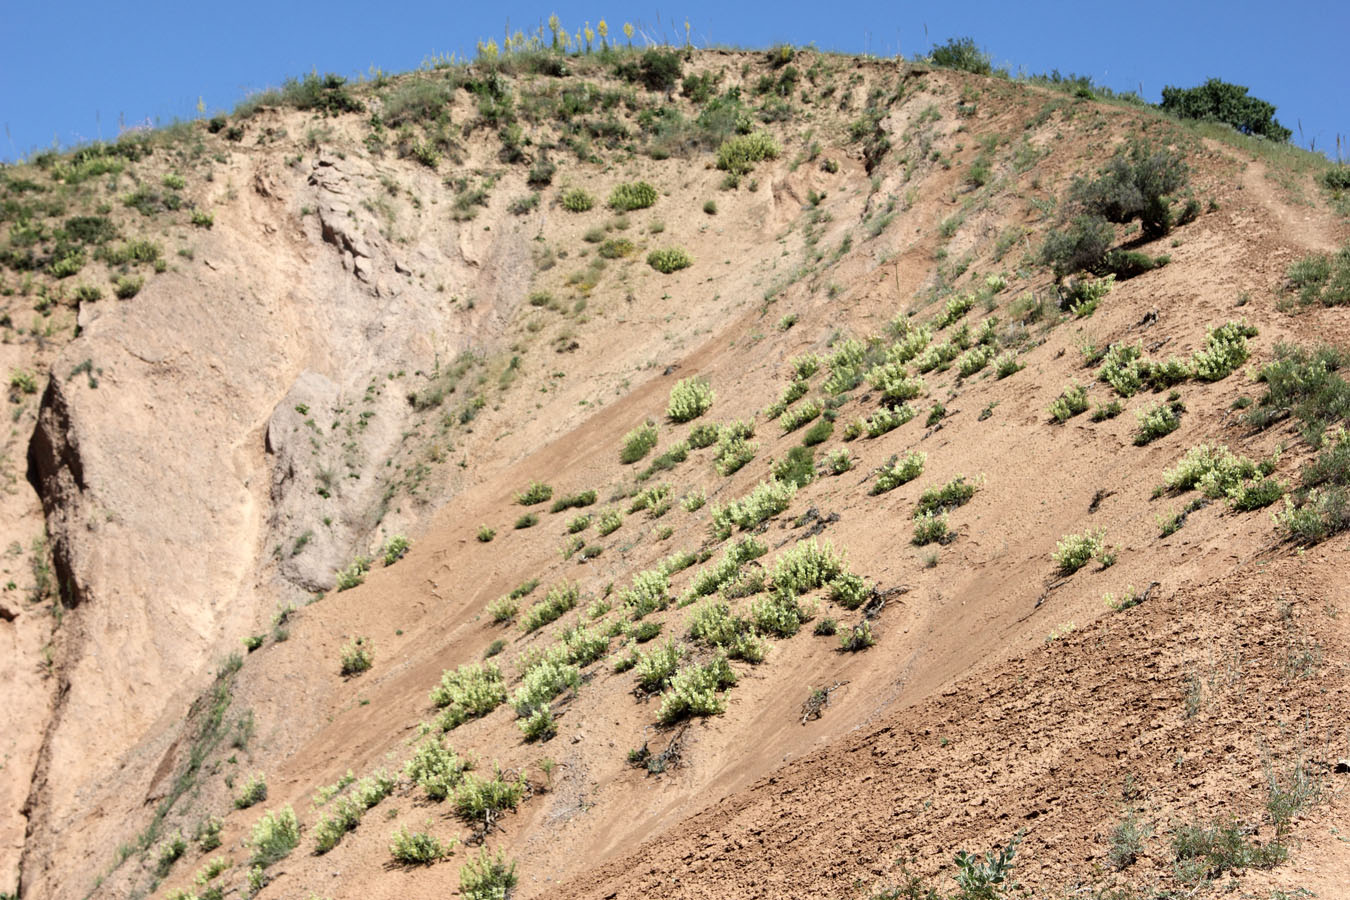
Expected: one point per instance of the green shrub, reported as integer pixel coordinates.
(394, 548)
(573, 501)
(1076, 550)
(467, 693)
(767, 499)
(898, 471)
(636, 195)
(503, 609)
(487, 877)
(733, 451)
(894, 382)
(1124, 368)
(973, 360)
(949, 496)
(617, 248)
(610, 520)
(839, 461)
(354, 574)
(537, 492)
(169, 853)
(795, 418)
(1079, 246)
(1307, 384)
(704, 435)
(848, 590)
(545, 679)
(857, 638)
(526, 520)
(931, 528)
(693, 691)
(1214, 470)
(275, 835)
(963, 54)
(128, 286)
(806, 365)
(1071, 401)
(647, 593)
(818, 433)
(739, 154)
(655, 668)
(539, 725)
(357, 656)
(560, 598)
(1323, 512)
(638, 443)
(332, 828)
(689, 399)
(806, 566)
(1082, 297)
(1224, 351)
(669, 259)
(414, 848)
(523, 205)
(778, 614)
(1224, 102)
(1156, 421)
(1207, 851)
(485, 534)
(578, 524)
(436, 768)
(477, 798)
(1255, 494)
(887, 419)
(1322, 278)
(253, 791)
(1136, 184)
(576, 200)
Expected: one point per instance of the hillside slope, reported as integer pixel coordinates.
(396, 325)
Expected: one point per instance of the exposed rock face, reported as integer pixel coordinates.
(228, 459)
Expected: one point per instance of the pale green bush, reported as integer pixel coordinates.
(254, 790)
(805, 566)
(900, 471)
(1071, 401)
(413, 848)
(1076, 550)
(468, 692)
(436, 768)
(560, 598)
(274, 836)
(693, 691)
(487, 877)
(768, 499)
(655, 668)
(689, 399)
(647, 593)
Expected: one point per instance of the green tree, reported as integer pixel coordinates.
(1224, 102)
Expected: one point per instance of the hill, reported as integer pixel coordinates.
(706, 473)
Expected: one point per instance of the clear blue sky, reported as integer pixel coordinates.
(72, 71)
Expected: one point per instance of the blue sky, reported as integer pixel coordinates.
(75, 71)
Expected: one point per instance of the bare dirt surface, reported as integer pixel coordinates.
(362, 346)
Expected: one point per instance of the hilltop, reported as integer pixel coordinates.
(707, 473)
